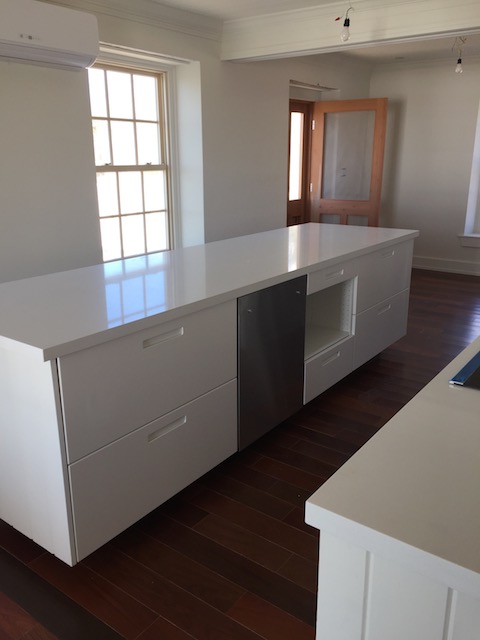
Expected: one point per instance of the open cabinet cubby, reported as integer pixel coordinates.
(329, 317)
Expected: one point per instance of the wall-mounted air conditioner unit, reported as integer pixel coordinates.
(43, 33)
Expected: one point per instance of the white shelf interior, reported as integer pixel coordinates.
(328, 317)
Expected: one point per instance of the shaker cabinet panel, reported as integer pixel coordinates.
(113, 388)
(115, 486)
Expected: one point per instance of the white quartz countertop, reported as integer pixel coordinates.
(412, 492)
(63, 312)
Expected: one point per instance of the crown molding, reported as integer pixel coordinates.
(152, 13)
(314, 30)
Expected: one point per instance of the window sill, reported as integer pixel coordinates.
(470, 240)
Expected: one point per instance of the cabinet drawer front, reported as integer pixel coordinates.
(324, 370)
(379, 327)
(116, 486)
(318, 280)
(113, 388)
(383, 274)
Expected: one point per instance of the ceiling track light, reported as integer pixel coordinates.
(345, 32)
(458, 46)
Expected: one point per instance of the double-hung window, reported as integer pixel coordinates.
(131, 158)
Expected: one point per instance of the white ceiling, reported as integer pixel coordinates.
(234, 9)
(433, 48)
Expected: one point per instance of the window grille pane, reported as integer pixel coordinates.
(154, 189)
(123, 143)
(148, 143)
(133, 235)
(145, 93)
(98, 98)
(107, 194)
(111, 242)
(120, 94)
(156, 227)
(130, 183)
(101, 142)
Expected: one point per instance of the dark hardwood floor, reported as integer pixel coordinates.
(230, 558)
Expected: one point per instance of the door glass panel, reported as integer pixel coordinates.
(347, 155)
(296, 156)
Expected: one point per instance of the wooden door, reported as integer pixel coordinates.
(347, 147)
(299, 161)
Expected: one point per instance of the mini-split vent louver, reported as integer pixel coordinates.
(41, 33)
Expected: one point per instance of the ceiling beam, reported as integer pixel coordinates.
(314, 30)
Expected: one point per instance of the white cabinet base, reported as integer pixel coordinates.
(117, 485)
(362, 596)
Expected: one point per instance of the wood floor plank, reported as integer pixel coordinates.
(264, 526)
(247, 495)
(162, 629)
(240, 570)
(178, 569)
(174, 604)
(128, 616)
(301, 571)
(244, 542)
(268, 621)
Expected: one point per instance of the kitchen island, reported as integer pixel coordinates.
(118, 382)
(400, 524)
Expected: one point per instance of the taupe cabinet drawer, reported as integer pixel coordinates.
(115, 486)
(111, 389)
(324, 370)
(323, 278)
(383, 274)
(380, 326)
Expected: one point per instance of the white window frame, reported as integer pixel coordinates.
(135, 59)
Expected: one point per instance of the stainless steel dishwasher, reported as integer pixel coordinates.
(271, 337)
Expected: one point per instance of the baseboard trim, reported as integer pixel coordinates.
(449, 266)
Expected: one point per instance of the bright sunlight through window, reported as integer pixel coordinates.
(130, 156)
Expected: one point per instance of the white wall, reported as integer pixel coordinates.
(48, 218)
(48, 210)
(431, 130)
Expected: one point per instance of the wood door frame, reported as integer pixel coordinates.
(345, 208)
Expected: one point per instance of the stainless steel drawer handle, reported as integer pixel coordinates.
(168, 335)
(329, 360)
(384, 309)
(158, 433)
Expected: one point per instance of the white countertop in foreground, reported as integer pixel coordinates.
(412, 493)
(62, 312)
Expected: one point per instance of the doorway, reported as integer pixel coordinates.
(336, 156)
